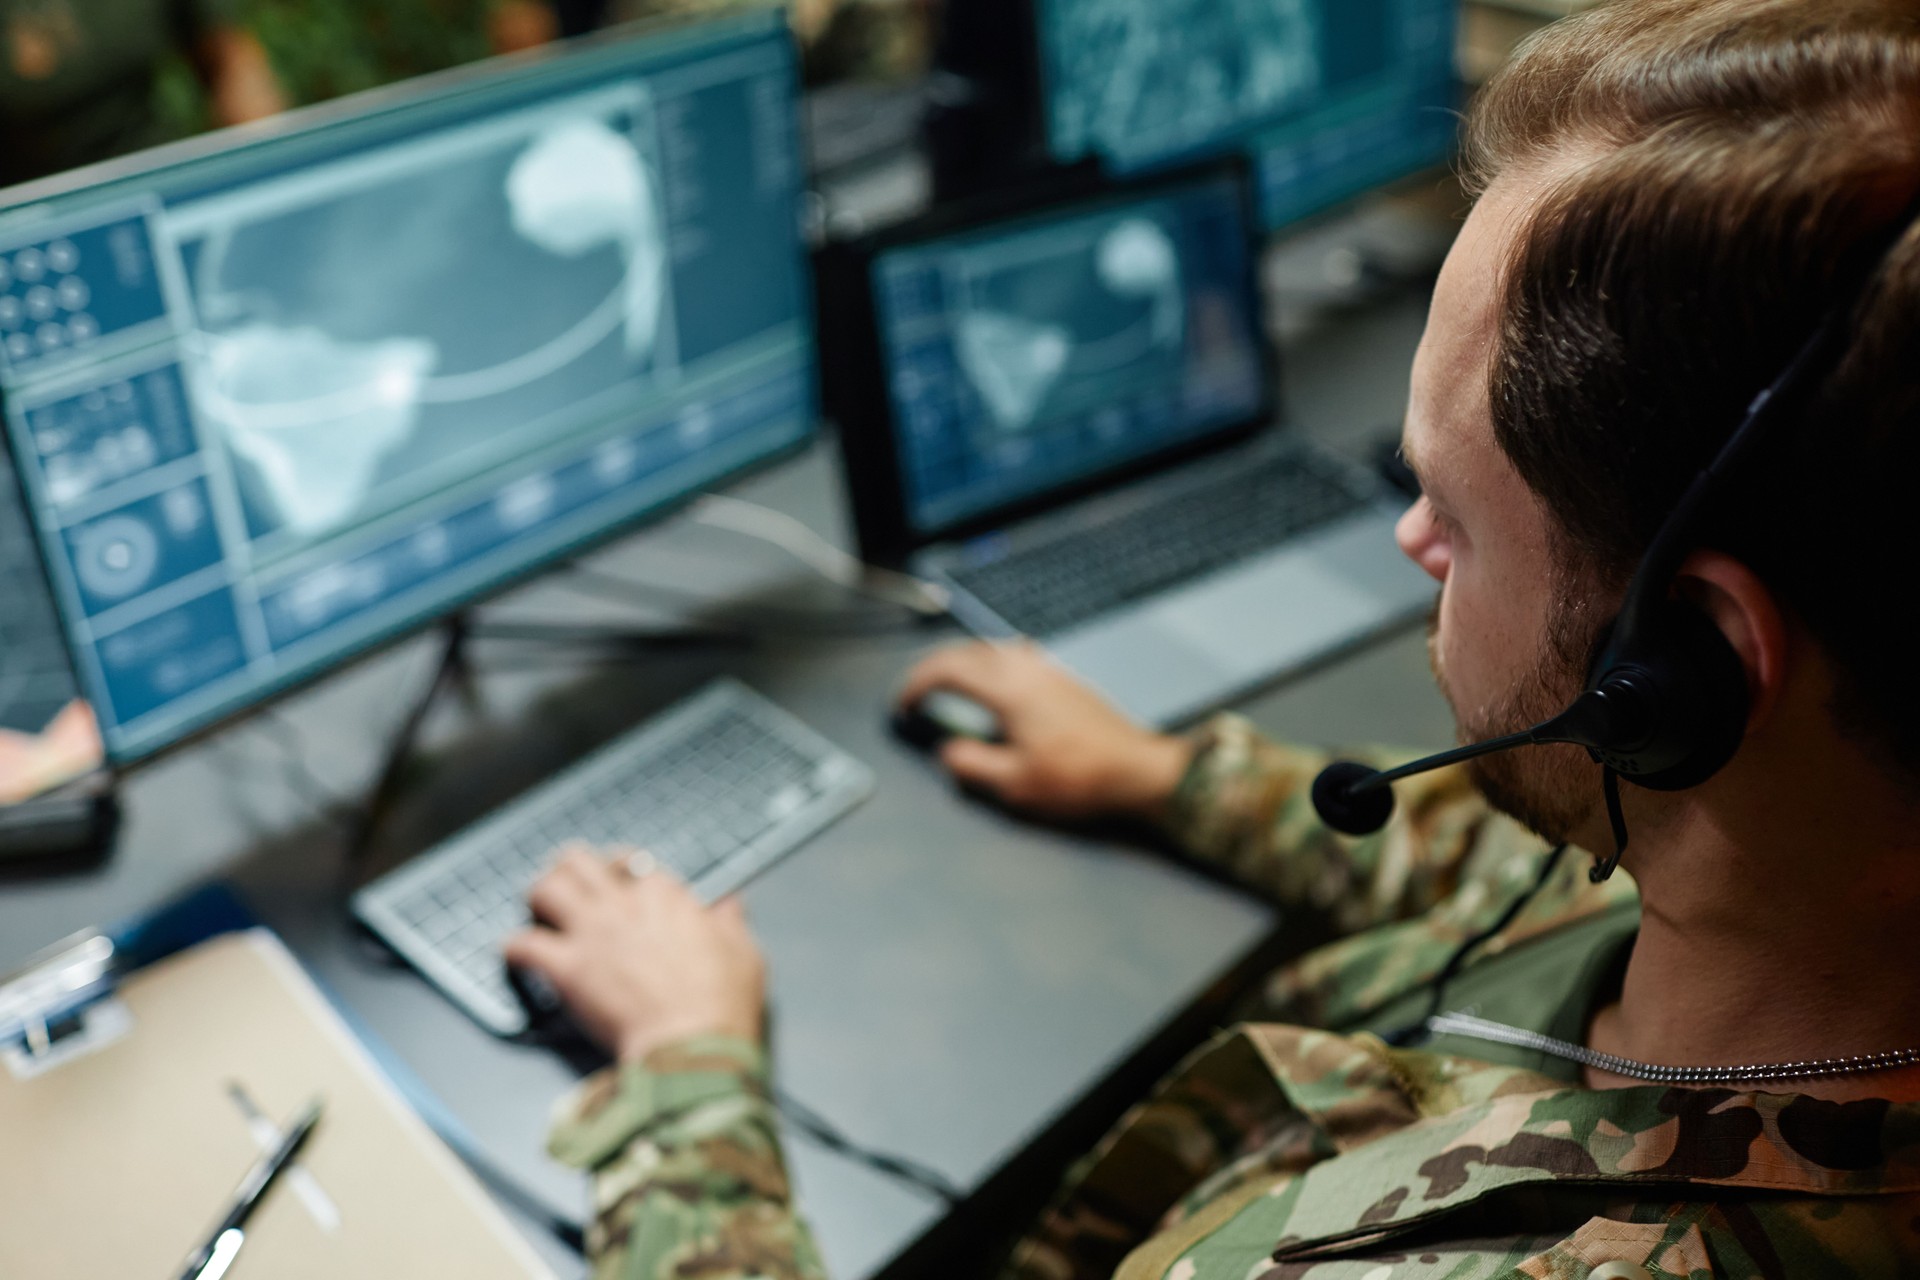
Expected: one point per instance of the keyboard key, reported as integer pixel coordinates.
(1049, 587)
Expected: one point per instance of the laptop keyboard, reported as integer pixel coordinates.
(1051, 586)
(715, 789)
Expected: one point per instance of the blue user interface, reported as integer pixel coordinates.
(1328, 97)
(1040, 352)
(274, 404)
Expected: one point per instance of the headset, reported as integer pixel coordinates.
(1665, 703)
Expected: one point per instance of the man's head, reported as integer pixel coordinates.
(1670, 190)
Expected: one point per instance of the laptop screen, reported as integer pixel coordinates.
(1031, 355)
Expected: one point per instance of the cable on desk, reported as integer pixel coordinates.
(620, 639)
(568, 1231)
(898, 1168)
(297, 771)
(782, 623)
(750, 519)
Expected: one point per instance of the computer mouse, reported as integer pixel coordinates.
(944, 714)
(545, 1009)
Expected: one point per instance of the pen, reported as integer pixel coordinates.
(211, 1260)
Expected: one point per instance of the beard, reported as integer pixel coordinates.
(1551, 790)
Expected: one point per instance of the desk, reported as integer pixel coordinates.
(946, 981)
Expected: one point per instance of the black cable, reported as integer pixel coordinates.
(1407, 1035)
(557, 1033)
(566, 1230)
(1617, 819)
(450, 666)
(899, 1168)
(298, 773)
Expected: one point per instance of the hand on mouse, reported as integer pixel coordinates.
(1067, 753)
(638, 959)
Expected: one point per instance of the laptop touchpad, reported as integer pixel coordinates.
(1145, 669)
(1290, 607)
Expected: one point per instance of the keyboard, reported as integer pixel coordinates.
(716, 789)
(1051, 585)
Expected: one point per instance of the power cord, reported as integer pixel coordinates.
(750, 519)
(912, 1173)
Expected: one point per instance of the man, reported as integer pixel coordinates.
(1670, 191)
(77, 79)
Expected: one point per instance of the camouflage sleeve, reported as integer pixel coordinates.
(1244, 806)
(688, 1178)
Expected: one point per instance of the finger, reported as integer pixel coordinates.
(665, 888)
(572, 861)
(541, 950)
(558, 898)
(982, 764)
(594, 870)
(968, 669)
(635, 864)
(731, 911)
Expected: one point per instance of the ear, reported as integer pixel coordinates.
(1749, 615)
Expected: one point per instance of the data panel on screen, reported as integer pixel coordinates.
(1032, 355)
(1329, 97)
(275, 404)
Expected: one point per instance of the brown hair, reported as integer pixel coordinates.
(1748, 155)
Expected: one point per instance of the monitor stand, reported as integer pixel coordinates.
(455, 671)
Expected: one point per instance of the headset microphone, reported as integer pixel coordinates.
(1356, 799)
(1665, 705)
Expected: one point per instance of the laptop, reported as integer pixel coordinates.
(1063, 408)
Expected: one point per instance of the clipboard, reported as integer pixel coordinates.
(123, 1140)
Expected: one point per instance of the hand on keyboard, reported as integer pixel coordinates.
(1066, 754)
(639, 960)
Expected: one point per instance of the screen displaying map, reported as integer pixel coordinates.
(1030, 355)
(276, 403)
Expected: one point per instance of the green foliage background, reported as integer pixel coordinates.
(325, 48)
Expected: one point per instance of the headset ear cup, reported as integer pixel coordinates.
(1699, 704)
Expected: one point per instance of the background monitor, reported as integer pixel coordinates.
(1026, 355)
(1327, 98)
(279, 399)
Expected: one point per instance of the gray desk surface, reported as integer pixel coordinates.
(946, 980)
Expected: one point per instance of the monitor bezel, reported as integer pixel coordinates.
(855, 391)
(424, 92)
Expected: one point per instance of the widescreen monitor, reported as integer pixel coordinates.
(277, 399)
(1328, 98)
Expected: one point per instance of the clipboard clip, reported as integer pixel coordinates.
(60, 1003)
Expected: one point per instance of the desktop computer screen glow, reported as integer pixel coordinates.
(1024, 357)
(1328, 97)
(275, 404)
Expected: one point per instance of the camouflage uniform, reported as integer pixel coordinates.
(1281, 1151)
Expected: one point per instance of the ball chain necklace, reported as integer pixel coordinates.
(1476, 1028)
(1466, 1024)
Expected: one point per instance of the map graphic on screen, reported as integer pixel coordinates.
(276, 402)
(1034, 353)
